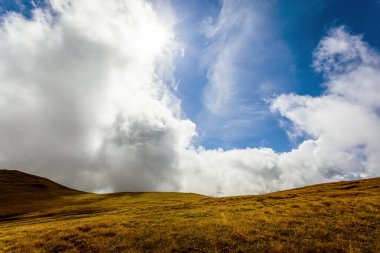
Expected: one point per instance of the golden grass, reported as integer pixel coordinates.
(337, 217)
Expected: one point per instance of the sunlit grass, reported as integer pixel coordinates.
(338, 217)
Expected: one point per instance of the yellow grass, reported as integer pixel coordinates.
(337, 217)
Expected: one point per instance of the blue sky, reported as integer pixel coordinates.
(24, 7)
(276, 58)
(291, 32)
(213, 97)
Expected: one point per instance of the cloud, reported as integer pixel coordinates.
(86, 99)
(344, 120)
(242, 41)
(339, 127)
(228, 35)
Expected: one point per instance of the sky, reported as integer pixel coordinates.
(212, 97)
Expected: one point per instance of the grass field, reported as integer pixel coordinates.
(37, 215)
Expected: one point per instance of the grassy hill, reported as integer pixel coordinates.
(16, 185)
(21, 193)
(38, 215)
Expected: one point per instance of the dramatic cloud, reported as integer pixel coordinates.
(86, 99)
(84, 96)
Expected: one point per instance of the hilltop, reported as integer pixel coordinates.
(37, 214)
(16, 185)
(21, 192)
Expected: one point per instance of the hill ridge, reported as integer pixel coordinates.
(16, 185)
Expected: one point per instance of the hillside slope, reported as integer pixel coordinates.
(334, 217)
(15, 185)
(21, 192)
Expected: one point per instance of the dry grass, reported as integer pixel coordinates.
(337, 217)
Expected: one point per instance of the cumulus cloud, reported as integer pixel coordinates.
(86, 99)
(339, 127)
(343, 121)
(84, 95)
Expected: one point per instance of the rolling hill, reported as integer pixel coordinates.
(38, 215)
(16, 185)
(21, 193)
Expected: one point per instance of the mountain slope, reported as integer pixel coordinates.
(334, 217)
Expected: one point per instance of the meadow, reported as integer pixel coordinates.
(37, 215)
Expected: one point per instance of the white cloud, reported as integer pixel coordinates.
(340, 127)
(83, 95)
(242, 41)
(228, 36)
(85, 99)
(232, 38)
(344, 120)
